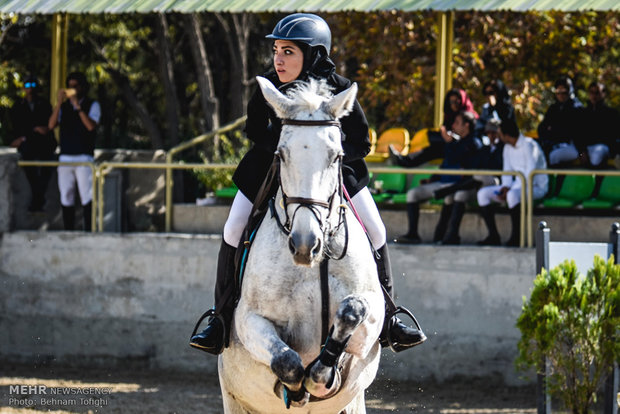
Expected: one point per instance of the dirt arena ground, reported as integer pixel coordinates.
(166, 393)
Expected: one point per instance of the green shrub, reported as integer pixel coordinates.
(574, 322)
(227, 153)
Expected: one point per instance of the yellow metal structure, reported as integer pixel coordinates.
(530, 192)
(60, 30)
(183, 146)
(443, 65)
(105, 167)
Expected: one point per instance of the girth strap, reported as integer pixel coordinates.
(324, 300)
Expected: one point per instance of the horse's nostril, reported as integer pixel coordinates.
(291, 245)
(317, 248)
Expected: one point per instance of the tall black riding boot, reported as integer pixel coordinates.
(488, 215)
(215, 336)
(442, 224)
(452, 236)
(87, 211)
(399, 334)
(413, 215)
(68, 217)
(515, 220)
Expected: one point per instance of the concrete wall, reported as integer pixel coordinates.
(84, 299)
(8, 166)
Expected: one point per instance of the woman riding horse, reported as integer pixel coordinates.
(300, 52)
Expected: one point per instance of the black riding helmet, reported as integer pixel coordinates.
(305, 28)
(311, 33)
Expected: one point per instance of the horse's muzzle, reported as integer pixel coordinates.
(305, 250)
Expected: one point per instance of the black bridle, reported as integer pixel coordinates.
(312, 204)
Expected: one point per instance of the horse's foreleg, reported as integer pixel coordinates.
(322, 377)
(260, 338)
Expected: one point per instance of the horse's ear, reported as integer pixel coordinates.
(341, 104)
(278, 101)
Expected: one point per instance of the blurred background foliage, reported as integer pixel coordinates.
(390, 54)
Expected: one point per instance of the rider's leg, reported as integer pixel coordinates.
(368, 212)
(212, 339)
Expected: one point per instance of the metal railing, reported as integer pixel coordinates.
(412, 171)
(105, 167)
(102, 169)
(93, 167)
(530, 191)
(184, 146)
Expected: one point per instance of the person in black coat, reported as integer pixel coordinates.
(560, 130)
(300, 51)
(33, 139)
(600, 128)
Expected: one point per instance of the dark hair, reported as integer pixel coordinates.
(564, 81)
(599, 85)
(509, 127)
(80, 78)
(469, 118)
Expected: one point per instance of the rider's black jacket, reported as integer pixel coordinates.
(263, 128)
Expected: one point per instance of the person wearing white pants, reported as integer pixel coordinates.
(77, 116)
(301, 46)
(521, 154)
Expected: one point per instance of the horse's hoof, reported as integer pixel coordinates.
(323, 383)
(291, 398)
(287, 366)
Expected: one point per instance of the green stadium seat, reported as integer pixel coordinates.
(392, 184)
(401, 198)
(608, 196)
(575, 189)
(227, 192)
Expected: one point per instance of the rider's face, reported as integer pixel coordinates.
(288, 60)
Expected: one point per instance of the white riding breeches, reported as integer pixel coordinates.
(369, 214)
(597, 153)
(362, 201)
(425, 192)
(237, 219)
(488, 194)
(69, 175)
(563, 152)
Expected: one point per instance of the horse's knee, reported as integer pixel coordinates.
(288, 367)
(353, 311)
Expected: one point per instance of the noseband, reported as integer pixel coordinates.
(312, 203)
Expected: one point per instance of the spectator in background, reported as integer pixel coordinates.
(459, 153)
(520, 154)
(488, 157)
(33, 139)
(600, 128)
(455, 102)
(498, 106)
(559, 131)
(78, 116)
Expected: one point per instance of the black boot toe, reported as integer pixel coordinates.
(403, 336)
(210, 340)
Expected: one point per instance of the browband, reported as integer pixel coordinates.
(310, 122)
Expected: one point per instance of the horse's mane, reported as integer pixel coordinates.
(308, 96)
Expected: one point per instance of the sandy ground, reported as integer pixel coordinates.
(166, 393)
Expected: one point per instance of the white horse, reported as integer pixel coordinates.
(275, 358)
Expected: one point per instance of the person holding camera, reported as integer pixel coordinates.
(78, 116)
